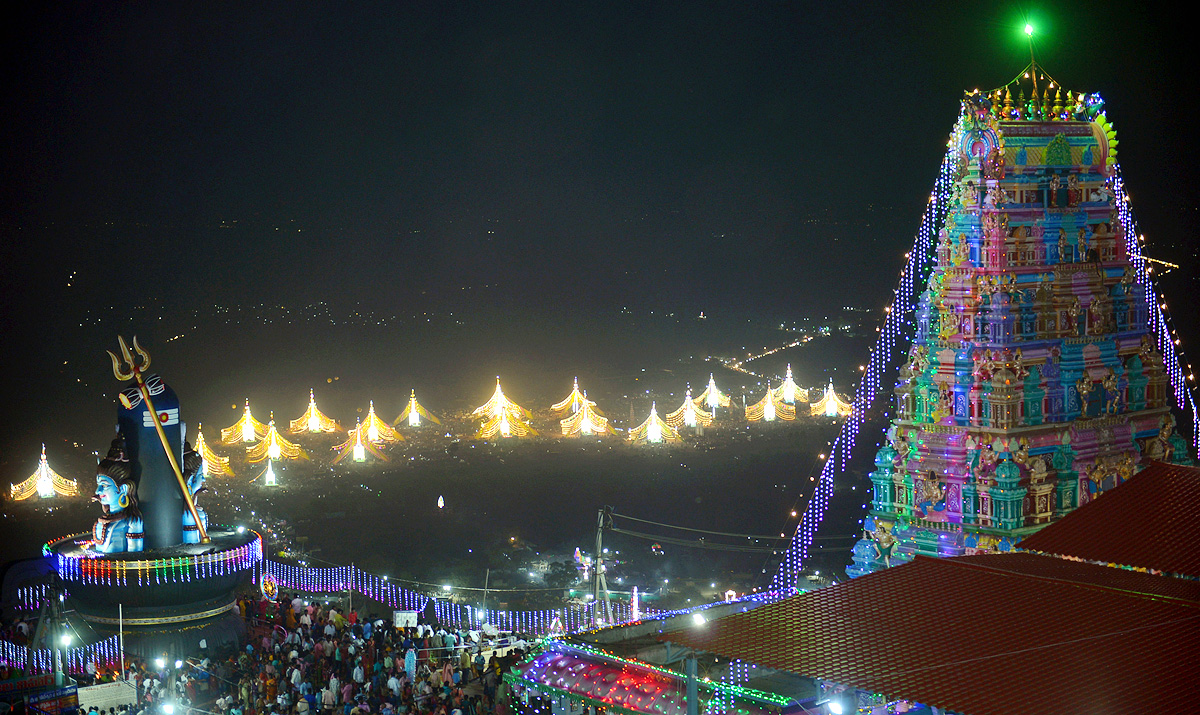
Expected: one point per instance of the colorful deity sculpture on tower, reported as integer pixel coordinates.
(1033, 384)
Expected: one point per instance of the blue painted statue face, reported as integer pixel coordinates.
(109, 494)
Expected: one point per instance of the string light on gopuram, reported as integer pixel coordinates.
(413, 413)
(273, 446)
(246, 429)
(898, 322)
(689, 414)
(44, 482)
(770, 408)
(357, 447)
(313, 420)
(213, 462)
(653, 430)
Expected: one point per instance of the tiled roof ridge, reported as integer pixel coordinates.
(976, 564)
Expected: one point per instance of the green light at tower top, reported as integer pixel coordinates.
(1029, 29)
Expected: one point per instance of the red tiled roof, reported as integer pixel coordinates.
(996, 633)
(1146, 522)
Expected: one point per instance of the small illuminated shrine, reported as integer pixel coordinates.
(357, 447)
(770, 408)
(376, 430)
(502, 417)
(789, 391)
(712, 398)
(213, 462)
(690, 414)
(572, 402)
(586, 421)
(414, 412)
(830, 404)
(653, 430)
(313, 420)
(1034, 383)
(273, 446)
(246, 429)
(44, 482)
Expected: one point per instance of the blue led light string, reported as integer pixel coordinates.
(898, 322)
(1157, 317)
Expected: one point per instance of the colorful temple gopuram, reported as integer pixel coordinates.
(1034, 383)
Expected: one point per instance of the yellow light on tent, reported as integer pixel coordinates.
(505, 430)
(414, 413)
(653, 430)
(45, 482)
(360, 452)
(269, 477)
(247, 428)
(769, 406)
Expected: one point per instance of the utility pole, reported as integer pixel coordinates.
(486, 578)
(599, 582)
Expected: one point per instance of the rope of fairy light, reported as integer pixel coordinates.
(1158, 319)
(104, 653)
(898, 323)
(310, 579)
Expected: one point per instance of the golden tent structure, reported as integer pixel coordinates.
(654, 430)
(357, 447)
(376, 430)
(573, 402)
(246, 429)
(313, 420)
(712, 398)
(213, 462)
(273, 446)
(414, 412)
(44, 482)
(789, 391)
(586, 421)
(689, 414)
(770, 408)
(830, 405)
(503, 417)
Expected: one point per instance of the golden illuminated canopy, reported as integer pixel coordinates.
(689, 414)
(499, 404)
(357, 447)
(712, 398)
(45, 482)
(830, 405)
(246, 429)
(376, 430)
(586, 421)
(313, 420)
(573, 401)
(770, 408)
(414, 412)
(273, 446)
(654, 430)
(503, 426)
(503, 417)
(789, 391)
(213, 462)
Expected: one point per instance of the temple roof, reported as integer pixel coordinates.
(1143, 523)
(995, 633)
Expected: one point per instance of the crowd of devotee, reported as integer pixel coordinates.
(302, 657)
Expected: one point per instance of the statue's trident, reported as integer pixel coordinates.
(135, 371)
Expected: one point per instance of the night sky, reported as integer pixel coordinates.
(771, 158)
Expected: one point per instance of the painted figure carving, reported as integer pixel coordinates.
(119, 528)
(193, 472)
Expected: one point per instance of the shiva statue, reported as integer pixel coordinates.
(195, 475)
(120, 527)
